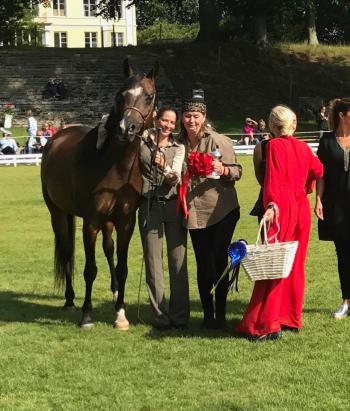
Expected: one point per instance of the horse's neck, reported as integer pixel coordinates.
(125, 157)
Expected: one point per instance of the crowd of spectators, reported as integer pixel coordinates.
(254, 131)
(55, 89)
(38, 138)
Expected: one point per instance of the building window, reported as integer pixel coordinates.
(117, 39)
(90, 39)
(61, 39)
(89, 8)
(58, 8)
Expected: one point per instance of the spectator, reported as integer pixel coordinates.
(55, 88)
(248, 131)
(46, 132)
(333, 195)
(51, 128)
(7, 144)
(260, 132)
(322, 120)
(32, 128)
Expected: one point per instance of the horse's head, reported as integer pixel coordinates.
(132, 110)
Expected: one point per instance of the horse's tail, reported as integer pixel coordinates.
(64, 250)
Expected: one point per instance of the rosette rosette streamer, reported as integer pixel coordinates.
(236, 252)
(198, 164)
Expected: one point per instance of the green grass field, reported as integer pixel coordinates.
(49, 363)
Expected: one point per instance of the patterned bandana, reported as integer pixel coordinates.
(194, 105)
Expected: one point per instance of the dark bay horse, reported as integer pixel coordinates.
(93, 173)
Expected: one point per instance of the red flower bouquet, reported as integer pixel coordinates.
(198, 164)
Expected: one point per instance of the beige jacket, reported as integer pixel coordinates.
(157, 182)
(209, 200)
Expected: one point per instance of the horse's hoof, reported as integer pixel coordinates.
(69, 308)
(87, 326)
(121, 323)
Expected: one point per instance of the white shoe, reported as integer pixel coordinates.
(342, 312)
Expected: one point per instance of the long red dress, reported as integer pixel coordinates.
(291, 169)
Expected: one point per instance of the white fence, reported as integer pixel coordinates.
(15, 159)
(35, 159)
(242, 149)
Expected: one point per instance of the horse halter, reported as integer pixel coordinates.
(144, 117)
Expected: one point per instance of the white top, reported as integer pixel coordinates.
(32, 126)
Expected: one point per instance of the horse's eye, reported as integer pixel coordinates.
(149, 96)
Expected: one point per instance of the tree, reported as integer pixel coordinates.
(208, 21)
(310, 18)
(11, 15)
(183, 12)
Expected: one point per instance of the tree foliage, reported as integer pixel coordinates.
(12, 13)
(260, 21)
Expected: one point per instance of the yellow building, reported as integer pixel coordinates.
(72, 23)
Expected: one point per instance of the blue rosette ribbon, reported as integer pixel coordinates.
(236, 252)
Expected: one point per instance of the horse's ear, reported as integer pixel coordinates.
(154, 72)
(128, 71)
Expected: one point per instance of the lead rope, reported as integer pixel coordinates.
(139, 293)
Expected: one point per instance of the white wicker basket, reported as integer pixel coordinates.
(269, 261)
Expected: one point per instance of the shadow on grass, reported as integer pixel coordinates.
(318, 310)
(44, 309)
(235, 307)
(47, 309)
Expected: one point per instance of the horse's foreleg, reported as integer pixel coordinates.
(108, 248)
(124, 233)
(90, 271)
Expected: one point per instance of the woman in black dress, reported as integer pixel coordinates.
(333, 194)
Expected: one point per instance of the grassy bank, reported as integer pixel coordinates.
(241, 80)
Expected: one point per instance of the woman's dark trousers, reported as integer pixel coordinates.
(210, 247)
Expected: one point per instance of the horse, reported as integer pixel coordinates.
(93, 173)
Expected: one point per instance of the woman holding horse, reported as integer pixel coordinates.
(161, 159)
(213, 208)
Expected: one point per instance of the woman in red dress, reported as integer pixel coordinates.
(291, 169)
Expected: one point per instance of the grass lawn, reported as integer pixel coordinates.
(48, 363)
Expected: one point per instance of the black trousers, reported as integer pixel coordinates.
(210, 247)
(8, 150)
(343, 253)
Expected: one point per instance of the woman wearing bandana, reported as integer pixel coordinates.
(212, 206)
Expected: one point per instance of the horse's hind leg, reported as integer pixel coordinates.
(108, 248)
(64, 230)
(90, 271)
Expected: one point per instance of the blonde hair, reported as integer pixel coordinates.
(337, 106)
(283, 119)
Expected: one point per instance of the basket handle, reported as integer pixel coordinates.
(266, 239)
